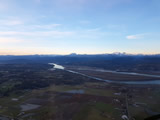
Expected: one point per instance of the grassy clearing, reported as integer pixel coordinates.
(96, 111)
(83, 113)
(44, 113)
(96, 115)
(90, 91)
(103, 107)
(138, 113)
(99, 92)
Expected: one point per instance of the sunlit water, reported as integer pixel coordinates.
(76, 91)
(55, 66)
(154, 82)
(130, 73)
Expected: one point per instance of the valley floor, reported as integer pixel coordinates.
(68, 96)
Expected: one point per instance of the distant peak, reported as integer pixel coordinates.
(73, 54)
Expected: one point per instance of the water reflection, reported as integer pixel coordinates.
(154, 82)
(76, 91)
(55, 66)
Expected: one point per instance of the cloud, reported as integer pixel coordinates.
(9, 40)
(15, 22)
(138, 36)
(50, 26)
(10, 22)
(11, 33)
(37, 33)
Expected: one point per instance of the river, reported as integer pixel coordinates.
(151, 82)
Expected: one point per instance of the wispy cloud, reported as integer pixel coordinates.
(137, 36)
(10, 40)
(11, 22)
(37, 33)
(50, 26)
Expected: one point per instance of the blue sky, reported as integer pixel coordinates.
(79, 26)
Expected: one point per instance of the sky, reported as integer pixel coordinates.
(79, 26)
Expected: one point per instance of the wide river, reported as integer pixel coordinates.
(153, 82)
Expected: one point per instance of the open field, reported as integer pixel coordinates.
(68, 96)
(99, 101)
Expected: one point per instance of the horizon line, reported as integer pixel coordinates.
(115, 53)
